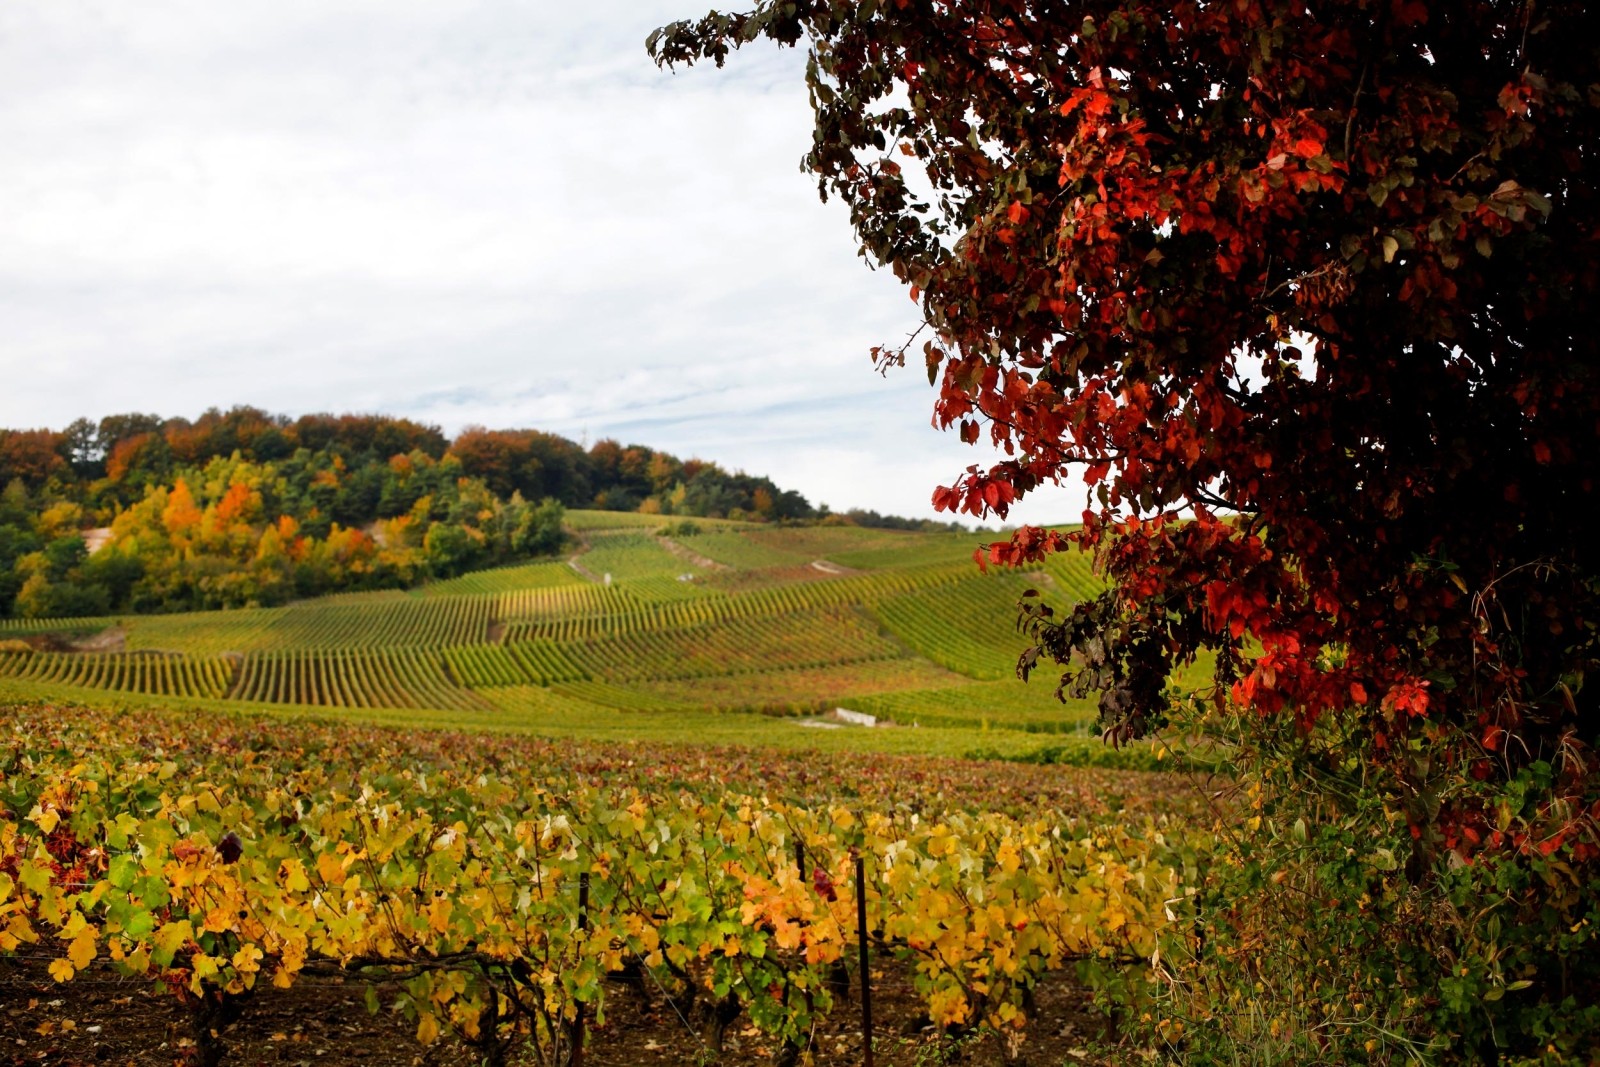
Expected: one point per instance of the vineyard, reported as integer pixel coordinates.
(496, 893)
(645, 617)
(160, 673)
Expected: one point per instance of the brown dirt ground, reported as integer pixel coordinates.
(111, 639)
(99, 1018)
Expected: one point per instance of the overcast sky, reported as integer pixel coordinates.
(465, 211)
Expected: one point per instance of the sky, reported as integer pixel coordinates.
(491, 212)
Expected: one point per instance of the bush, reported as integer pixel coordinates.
(1323, 933)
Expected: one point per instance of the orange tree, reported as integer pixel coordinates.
(1302, 289)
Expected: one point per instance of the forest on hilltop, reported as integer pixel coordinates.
(244, 507)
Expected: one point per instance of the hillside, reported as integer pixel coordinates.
(139, 514)
(720, 616)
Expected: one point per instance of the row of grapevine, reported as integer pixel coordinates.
(767, 546)
(910, 549)
(854, 589)
(630, 556)
(409, 623)
(408, 678)
(632, 616)
(545, 662)
(544, 574)
(743, 549)
(467, 880)
(798, 639)
(483, 666)
(161, 674)
(759, 603)
(365, 596)
(208, 633)
(1073, 576)
(968, 626)
(45, 626)
(565, 602)
(522, 663)
(660, 588)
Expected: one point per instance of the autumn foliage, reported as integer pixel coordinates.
(1303, 291)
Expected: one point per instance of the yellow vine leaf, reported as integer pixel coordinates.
(82, 949)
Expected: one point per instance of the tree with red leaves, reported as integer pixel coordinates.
(1302, 290)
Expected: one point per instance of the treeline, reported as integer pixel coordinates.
(110, 463)
(237, 532)
(244, 507)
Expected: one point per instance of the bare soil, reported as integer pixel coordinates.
(687, 553)
(111, 639)
(101, 1018)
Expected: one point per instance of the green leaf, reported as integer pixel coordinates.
(124, 869)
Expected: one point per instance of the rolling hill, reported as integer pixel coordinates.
(647, 627)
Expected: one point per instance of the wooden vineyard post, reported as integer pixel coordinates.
(583, 925)
(866, 977)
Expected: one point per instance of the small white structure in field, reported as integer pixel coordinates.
(855, 718)
(608, 577)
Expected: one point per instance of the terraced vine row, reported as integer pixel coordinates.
(543, 575)
(1073, 576)
(632, 556)
(760, 603)
(967, 626)
(563, 602)
(386, 621)
(437, 622)
(156, 673)
(210, 633)
(43, 626)
(522, 663)
(407, 678)
(799, 639)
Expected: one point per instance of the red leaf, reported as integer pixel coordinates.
(1307, 147)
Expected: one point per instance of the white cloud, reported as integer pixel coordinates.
(496, 212)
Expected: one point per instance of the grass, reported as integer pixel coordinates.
(556, 712)
(544, 574)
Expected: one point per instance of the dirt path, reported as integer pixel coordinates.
(687, 553)
(572, 561)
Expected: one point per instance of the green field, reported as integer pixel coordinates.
(650, 629)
